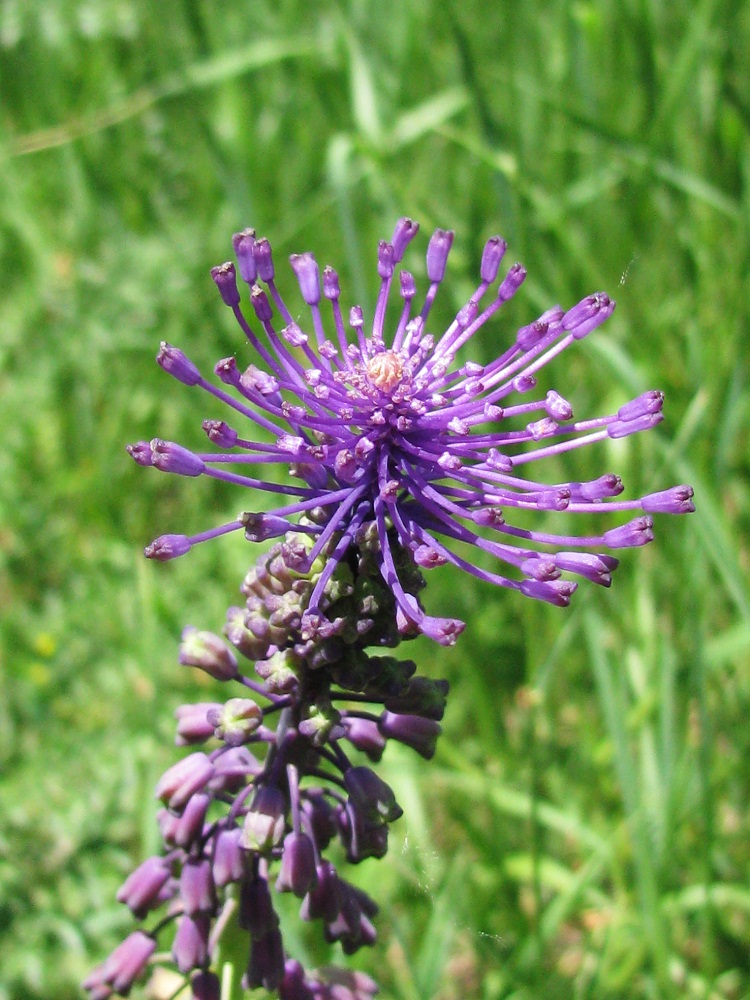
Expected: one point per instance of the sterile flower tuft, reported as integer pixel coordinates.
(386, 430)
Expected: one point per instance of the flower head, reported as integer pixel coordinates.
(390, 437)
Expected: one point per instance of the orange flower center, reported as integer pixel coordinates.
(384, 370)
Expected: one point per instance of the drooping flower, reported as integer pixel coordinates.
(252, 814)
(387, 432)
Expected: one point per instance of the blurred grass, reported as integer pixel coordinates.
(585, 829)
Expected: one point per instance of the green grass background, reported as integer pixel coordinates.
(584, 831)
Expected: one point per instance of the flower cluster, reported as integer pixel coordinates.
(401, 457)
(392, 431)
(256, 813)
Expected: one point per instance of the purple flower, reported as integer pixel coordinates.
(190, 946)
(141, 890)
(126, 963)
(385, 428)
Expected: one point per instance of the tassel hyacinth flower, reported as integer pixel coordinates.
(385, 427)
(399, 454)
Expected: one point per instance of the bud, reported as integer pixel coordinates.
(422, 696)
(305, 267)
(371, 795)
(264, 822)
(229, 859)
(297, 872)
(184, 779)
(236, 721)
(403, 234)
(225, 278)
(256, 913)
(266, 964)
(177, 364)
(192, 723)
(365, 735)
(189, 826)
(126, 963)
(280, 672)
(243, 247)
(206, 651)
(437, 253)
(206, 986)
(196, 886)
(232, 767)
(141, 890)
(412, 730)
(190, 947)
(493, 253)
(324, 899)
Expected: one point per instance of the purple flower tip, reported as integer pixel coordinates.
(305, 267)
(126, 963)
(443, 630)
(331, 288)
(365, 736)
(220, 433)
(261, 305)
(677, 500)
(646, 403)
(167, 547)
(438, 249)
(263, 828)
(181, 781)
(556, 592)
(637, 532)
(386, 259)
(243, 244)
(597, 568)
(141, 889)
(403, 234)
(207, 651)
(206, 986)
(225, 279)
(170, 457)
(408, 286)
(298, 873)
(229, 858)
(196, 886)
(263, 259)
(190, 946)
(590, 313)
(372, 795)
(227, 371)
(140, 452)
(259, 527)
(192, 723)
(494, 251)
(511, 282)
(624, 428)
(412, 730)
(177, 364)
